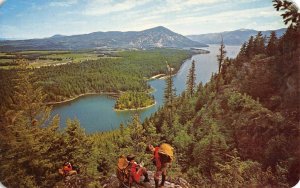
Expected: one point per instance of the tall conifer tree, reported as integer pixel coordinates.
(191, 80)
(259, 44)
(272, 46)
(169, 94)
(222, 55)
(250, 47)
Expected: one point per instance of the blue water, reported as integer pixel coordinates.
(95, 112)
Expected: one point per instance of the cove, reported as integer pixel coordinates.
(96, 113)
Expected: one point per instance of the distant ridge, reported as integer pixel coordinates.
(150, 38)
(236, 37)
(58, 36)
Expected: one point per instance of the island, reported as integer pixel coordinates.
(132, 100)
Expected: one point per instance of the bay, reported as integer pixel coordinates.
(95, 112)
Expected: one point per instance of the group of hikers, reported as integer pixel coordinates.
(129, 172)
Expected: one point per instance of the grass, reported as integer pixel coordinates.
(47, 58)
(43, 52)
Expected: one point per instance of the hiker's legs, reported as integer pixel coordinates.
(158, 172)
(156, 183)
(145, 173)
(164, 173)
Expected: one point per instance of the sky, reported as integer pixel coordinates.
(24, 19)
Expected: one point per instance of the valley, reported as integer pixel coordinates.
(87, 83)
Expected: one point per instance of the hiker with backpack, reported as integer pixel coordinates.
(162, 157)
(129, 172)
(68, 169)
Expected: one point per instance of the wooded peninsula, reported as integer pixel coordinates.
(134, 100)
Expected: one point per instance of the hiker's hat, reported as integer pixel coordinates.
(130, 157)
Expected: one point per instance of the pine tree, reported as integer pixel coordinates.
(201, 97)
(242, 52)
(151, 133)
(169, 94)
(221, 56)
(272, 46)
(210, 150)
(259, 45)
(250, 47)
(77, 146)
(191, 81)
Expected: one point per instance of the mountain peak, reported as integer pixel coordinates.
(159, 29)
(243, 29)
(57, 36)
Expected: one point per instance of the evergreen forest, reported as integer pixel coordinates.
(128, 72)
(241, 129)
(134, 100)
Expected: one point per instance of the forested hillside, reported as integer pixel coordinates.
(127, 72)
(241, 129)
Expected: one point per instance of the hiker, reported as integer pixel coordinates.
(162, 156)
(129, 172)
(136, 170)
(68, 170)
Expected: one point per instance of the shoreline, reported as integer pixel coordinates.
(114, 94)
(165, 76)
(141, 108)
(81, 95)
(156, 76)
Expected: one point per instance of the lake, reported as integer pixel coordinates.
(95, 112)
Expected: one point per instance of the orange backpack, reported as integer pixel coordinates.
(123, 170)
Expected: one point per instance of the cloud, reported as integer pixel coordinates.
(65, 3)
(228, 16)
(2, 1)
(186, 16)
(262, 27)
(98, 7)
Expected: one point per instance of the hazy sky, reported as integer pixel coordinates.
(44, 18)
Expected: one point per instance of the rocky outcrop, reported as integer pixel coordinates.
(113, 182)
(75, 181)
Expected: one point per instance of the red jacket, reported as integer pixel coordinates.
(157, 158)
(134, 175)
(67, 168)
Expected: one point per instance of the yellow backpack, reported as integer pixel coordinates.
(166, 153)
(123, 171)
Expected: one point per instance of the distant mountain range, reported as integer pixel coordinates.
(150, 38)
(236, 37)
(9, 39)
